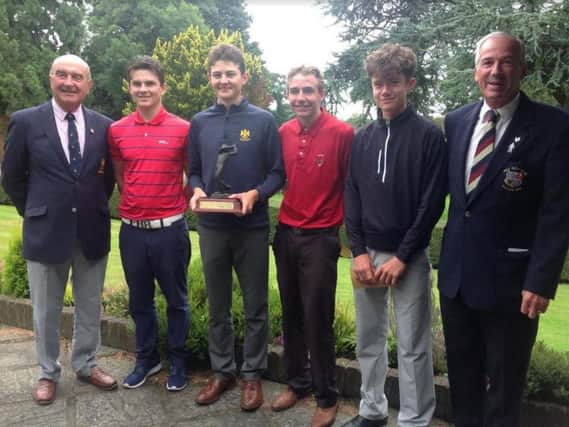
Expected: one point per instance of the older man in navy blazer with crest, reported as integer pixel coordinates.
(506, 237)
(56, 170)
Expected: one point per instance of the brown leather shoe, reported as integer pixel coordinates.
(251, 395)
(99, 378)
(324, 417)
(284, 400)
(213, 389)
(44, 393)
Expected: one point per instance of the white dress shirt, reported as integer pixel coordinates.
(505, 117)
(62, 125)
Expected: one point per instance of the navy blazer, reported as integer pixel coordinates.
(58, 208)
(512, 232)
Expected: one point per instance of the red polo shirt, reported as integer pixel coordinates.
(154, 155)
(316, 163)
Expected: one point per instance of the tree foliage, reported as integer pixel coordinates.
(123, 30)
(443, 35)
(225, 15)
(107, 33)
(32, 33)
(280, 107)
(184, 57)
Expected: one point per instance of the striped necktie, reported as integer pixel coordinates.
(74, 150)
(484, 150)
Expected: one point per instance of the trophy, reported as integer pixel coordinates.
(219, 201)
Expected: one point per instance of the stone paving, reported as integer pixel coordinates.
(80, 404)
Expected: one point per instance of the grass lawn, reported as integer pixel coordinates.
(553, 325)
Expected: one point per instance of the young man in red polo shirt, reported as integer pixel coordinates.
(148, 151)
(315, 147)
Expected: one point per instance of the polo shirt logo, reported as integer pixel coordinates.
(161, 141)
(245, 135)
(319, 160)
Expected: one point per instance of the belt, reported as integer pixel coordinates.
(307, 231)
(153, 223)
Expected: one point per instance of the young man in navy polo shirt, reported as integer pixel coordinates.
(316, 147)
(227, 241)
(148, 151)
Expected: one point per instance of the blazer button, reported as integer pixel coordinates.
(467, 214)
(74, 210)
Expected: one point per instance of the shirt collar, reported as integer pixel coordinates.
(156, 120)
(506, 112)
(60, 113)
(233, 107)
(314, 127)
(400, 118)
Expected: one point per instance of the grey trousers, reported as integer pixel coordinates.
(47, 287)
(412, 306)
(248, 252)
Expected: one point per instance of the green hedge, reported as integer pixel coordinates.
(116, 304)
(435, 246)
(14, 271)
(548, 377)
(15, 274)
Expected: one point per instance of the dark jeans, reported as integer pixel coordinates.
(162, 255)
(307, 273)
(488, 355)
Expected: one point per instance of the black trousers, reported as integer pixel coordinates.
(307, 273)
(488, 354)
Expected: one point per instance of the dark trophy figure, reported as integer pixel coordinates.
(222, 188)
(219, 202)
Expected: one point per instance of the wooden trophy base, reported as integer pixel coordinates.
(218, 205)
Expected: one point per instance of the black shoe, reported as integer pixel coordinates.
(359, 421)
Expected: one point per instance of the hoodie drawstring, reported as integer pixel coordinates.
(384, 156)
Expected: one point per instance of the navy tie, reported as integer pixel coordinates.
(74, 150)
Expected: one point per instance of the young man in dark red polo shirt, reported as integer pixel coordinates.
(315, 147)
(148, 151)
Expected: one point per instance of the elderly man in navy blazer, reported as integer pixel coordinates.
(57, 172)
(506, 237)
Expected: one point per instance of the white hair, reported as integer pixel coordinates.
(483, 40)
(73, 59)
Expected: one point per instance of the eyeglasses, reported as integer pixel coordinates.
(63, 75)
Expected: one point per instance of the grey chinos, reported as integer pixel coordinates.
(246, 250)
(412, 307)
(47, 288)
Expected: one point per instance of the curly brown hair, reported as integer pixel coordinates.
(391, 59)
